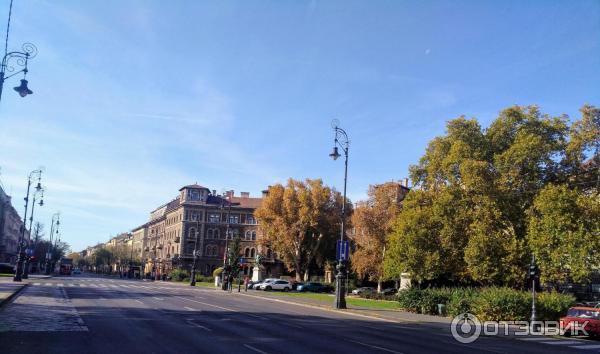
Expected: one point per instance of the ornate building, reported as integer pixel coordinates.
(168, 240)
(10, 230)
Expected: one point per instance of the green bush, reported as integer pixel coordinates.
(460, 301)
(501, 304)
(179, 274)
(552, 305)
(410, 299)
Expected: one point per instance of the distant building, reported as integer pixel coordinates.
(168, 239)
(10, 230)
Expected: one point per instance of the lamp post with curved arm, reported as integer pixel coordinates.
(341, 140)
(21, 59)
(49, 251)
(21, 256)
(30, 250)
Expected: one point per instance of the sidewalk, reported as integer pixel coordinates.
(9, 289)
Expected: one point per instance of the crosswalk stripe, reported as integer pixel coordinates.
(60, 284)
(94, 285)
(36, 284)
(71, 285)
(83, 285)
(586, 347)
(48, 284)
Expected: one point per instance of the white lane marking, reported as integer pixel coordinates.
(60, 284)
(103, 285)
(376, 347)
(255, 349)
(102, 298)
(157, 298)
(189, 308)
(70, 285)
(587, 347)
(125, 286)
(138, 301)
(83, 285)
(48, 284)
(113, 286)
(94, 285)
(535, 339)
(207, 304)
(36, 283)
(199, 326)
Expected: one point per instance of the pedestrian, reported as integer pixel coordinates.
(246, 280)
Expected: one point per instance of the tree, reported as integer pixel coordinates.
(468, 217)
(373, 221)
(564, 233)
(298, 219)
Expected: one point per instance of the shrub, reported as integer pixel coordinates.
(552, 305)
(460, 301)
(410, 299)
(179, 274)
(501, 304)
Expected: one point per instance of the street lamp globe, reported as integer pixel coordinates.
(335, 154)
(23, 90)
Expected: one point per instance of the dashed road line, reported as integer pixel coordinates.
(254, 349)
(376, 347)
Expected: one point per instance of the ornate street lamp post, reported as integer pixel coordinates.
(533, 274)
(196, 251)
(30, 250)
(341, 140)
(21, 251)
(21, 60)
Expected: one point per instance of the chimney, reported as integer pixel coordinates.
(229, 194)
(406, 182)
(214, 192)
(245, 194)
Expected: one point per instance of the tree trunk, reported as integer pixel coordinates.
(306, 275)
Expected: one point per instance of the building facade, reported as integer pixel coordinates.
(199, 219)
(10, 230)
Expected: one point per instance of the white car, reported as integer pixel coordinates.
(363, 290)
(257, 285)
(276, 285)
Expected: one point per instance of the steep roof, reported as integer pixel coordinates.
(247, 202)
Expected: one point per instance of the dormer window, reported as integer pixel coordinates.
(194, 195)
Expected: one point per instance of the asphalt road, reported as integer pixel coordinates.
(105, 315)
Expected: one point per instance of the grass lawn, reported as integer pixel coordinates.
(6, 275)
(326, 298)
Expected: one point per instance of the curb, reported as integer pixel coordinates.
(347, 311)
(13, 295)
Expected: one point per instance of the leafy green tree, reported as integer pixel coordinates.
(564, 233)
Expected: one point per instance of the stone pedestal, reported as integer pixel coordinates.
(404, 281)
(217, 281)
(256, 274)
(328, 276)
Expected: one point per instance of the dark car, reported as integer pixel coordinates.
(6, 268)
(314, 287)
(296, 285)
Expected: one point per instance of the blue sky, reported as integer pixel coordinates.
(134, 99)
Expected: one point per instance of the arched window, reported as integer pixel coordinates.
(209, 233)
(207, 269)
(192, 232)
(208, 250)
(253, 235)
(247, 252)
(252, 252)
(217, 233)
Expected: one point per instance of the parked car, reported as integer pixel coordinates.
(276, 285)
(587, 318)
(256, 285)
(389, 291)
(295, 285)
(313, 287)
(363, 290)
(76, 271)
(7, 268)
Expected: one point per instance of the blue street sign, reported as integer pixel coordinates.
(342, 250)
(29, 252)
(242, 260)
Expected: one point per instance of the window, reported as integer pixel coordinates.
(192, 233)
(210, 233)
(252, 252)
(247, 236)
(253, 235)
(214, 218)
(250, 220)
(234, 219)
(193, 194)
(217, 233)
(247, 252)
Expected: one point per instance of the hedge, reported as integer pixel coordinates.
(493, 303)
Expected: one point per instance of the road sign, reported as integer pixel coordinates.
(242, 261)
(342, 250)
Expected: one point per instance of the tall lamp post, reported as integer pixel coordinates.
(55, 221)
(196, 251)
(533, 274)
(30, 250)
(21, 256)
(341, 140)
(225, 281)
(21, 59)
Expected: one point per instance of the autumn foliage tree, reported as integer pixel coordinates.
(299, 220)
(373, 221)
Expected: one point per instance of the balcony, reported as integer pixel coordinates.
(177, 239)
